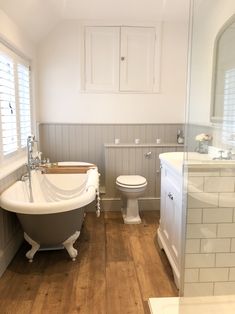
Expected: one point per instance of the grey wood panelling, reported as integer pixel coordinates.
(85, 142)
(132, 160)
(9, 225)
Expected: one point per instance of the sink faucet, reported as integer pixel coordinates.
(229, 155)
(220, 157)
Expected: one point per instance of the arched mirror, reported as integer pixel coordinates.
(223, 81)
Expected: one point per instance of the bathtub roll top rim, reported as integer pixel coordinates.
(16, 197)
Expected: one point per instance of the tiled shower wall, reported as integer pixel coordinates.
(85, 142)
(210, 233)
(10, 230)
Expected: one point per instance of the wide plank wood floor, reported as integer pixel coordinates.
(118, 268)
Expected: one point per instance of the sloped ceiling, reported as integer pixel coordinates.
(37, 17)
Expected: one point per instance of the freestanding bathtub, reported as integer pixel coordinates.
(55, 215)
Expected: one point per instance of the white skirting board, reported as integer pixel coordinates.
(194, 305)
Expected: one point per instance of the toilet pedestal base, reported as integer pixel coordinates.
(130, 214)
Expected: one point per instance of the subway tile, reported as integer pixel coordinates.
(215, 245)
(199, 260)
(225, 260)
(198, 231)
(226, 199)
(198, 289)
(226, 230)
(232, 274)
(233, 245)
(217, 215)
(202, 200)
(213, 274)
(195, 184)
(192, 246)
(227, 172)
(224, 288)
(194, 215)
(191, 275)
(204, 173)
(219, 184)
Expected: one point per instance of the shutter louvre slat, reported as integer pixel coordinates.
(15, 104)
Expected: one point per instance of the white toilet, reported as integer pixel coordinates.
(131, 187)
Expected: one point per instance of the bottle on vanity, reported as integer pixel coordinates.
(180, 136)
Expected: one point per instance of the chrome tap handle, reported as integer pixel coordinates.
(221, 153)
(148, 155)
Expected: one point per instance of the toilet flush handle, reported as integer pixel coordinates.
(148, 155)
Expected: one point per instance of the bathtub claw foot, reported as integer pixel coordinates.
(35, 247)
(68, 244)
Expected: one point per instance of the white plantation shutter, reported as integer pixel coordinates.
(229, 106)
(24, 103)
(15, 103)
(8, 105)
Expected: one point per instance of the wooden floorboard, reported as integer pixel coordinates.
(117, 269)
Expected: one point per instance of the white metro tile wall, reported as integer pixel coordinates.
(215, 245)
(194, 215)
(218, 184)
(198, 289)
(199, 260)
(203, 200)
(210, 233)
(214, 215)
(198, 231)
(213, 274)
(191, 275)
(192, 246)
(226, 199)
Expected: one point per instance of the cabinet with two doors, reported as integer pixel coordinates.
(122, 58)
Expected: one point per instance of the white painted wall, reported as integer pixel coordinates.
(14, 36)
(209, 17)
(61, 101)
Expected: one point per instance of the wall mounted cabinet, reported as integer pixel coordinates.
(122, 59)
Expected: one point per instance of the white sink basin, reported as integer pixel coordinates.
(193, 159)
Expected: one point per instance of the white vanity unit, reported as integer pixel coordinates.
(169, 232)
(208, 200)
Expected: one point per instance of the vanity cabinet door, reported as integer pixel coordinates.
(169, 232)
(173, 209)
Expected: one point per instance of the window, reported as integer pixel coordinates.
(228, 128)
(15, 103)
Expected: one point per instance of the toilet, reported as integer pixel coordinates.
(131, 187)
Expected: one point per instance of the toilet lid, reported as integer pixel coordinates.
(131, 180)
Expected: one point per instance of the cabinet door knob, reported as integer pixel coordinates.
(122, 58)
(170, 196)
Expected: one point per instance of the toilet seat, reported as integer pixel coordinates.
(131, 181)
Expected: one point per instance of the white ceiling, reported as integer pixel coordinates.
(38, 17)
